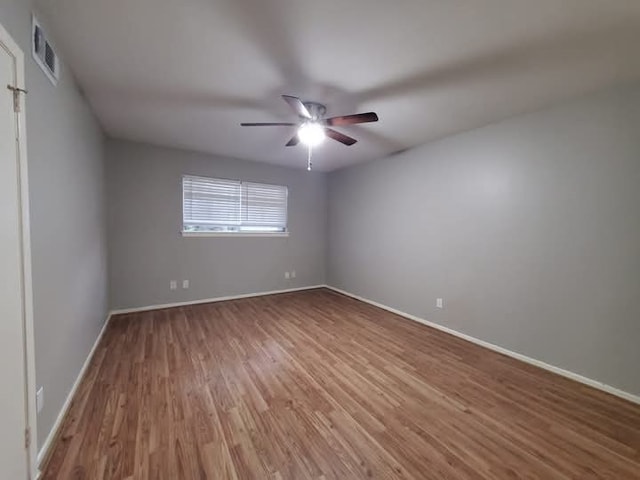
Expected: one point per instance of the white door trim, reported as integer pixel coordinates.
(30, 367)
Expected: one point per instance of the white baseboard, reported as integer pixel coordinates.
(212, 300)
(42, 454)
(532, 361)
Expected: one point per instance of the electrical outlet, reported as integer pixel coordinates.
(287, 275)
(293, 274)
(40, 399)
(439, 303)
(185, 284)
(173, 285)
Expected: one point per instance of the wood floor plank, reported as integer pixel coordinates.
(316, 385)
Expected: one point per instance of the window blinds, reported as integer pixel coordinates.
(220, 205)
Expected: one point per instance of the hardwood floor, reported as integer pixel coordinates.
(316, 385)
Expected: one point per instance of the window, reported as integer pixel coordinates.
(215, 205)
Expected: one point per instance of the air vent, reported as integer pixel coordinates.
(44, 54)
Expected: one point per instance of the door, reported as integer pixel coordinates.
(13, 409)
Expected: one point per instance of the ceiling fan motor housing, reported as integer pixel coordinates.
(317, 110)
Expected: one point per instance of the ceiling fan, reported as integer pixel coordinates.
(313, 128)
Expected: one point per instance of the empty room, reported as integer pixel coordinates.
(290, 240)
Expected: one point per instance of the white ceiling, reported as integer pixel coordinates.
(185, 73)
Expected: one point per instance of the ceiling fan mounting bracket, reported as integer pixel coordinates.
(317, 110)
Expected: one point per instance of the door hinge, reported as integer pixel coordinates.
(16, 96)
(27, 438)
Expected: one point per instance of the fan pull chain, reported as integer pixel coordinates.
(309, 164)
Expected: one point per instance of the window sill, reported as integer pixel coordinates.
(234, 234)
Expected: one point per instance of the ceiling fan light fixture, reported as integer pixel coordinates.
(311, 134)
(315, 127)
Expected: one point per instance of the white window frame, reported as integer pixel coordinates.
(229, 234)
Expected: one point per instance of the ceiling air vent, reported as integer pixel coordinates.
(44, 54)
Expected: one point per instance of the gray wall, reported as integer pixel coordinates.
(145, 217)
(65, 158)
(529, 229)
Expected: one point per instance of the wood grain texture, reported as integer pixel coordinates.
(315, 385)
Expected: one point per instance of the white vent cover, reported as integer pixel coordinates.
(43, 53)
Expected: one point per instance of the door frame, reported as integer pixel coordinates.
(27, 287)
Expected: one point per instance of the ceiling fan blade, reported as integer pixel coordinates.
(268, 124)
(296, 104)
(294, 141)
(352, 119)
(340, 137)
